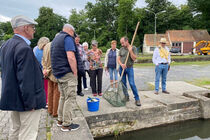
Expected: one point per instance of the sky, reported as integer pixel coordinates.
(30, 8)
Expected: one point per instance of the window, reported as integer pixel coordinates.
(151, 48)
(173, 44)
(178, 44)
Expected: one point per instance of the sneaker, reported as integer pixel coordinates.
(74, 126)
(71, 127)
(94, 94)
(65, 128)
(85, 88)
(59, 123)
(110, 89)
(80, 94)
(166, 92)
(46, 107)
(100, 94)
(138, 103)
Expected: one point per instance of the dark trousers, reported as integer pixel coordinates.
(85, 79)
(93, 75)
(79, 85)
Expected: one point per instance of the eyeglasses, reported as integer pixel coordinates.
(33, 27)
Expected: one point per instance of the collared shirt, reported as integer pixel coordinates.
(157, 59)
(25, 39)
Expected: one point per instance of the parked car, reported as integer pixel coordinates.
(175, 50)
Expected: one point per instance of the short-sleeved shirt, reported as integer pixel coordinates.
(95, 59)
(123, 54)
(69, 44)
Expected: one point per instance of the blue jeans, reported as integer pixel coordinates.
(161, 70)
(129, 72)
(111, 71)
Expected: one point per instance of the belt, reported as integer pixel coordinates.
(164, 63)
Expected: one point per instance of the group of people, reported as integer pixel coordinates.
(52, 74)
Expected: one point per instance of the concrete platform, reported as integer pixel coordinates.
(179, 87)
(155, 110)
(82, 134)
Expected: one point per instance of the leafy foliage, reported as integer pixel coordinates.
(108, 20)
(49, 24)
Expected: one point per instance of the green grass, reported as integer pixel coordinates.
(174, 63)
(200, 82)
(149, 56)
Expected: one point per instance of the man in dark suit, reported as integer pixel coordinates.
(22, 90)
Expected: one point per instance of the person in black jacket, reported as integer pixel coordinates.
(66, 64)
(22, 90)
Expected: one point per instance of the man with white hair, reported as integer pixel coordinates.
(66, 64)
(22, 90)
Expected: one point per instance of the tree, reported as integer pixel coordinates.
(80, 23)
(201, 7)
(6, 31)
(125, 20)
(49, 24)
(103, 20)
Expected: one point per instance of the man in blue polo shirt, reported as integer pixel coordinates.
(66, 62)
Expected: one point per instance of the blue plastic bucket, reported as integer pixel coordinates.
(93, 106)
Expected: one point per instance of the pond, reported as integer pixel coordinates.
(190, 130)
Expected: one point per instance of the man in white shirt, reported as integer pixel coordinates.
(162, 59)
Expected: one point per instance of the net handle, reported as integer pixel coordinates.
(131, 46)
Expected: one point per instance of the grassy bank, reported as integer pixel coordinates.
(175, 63)
(200, 82)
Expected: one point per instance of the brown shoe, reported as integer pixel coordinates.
(138, 103)
(59, 123)
(166, 92)
(156, 92)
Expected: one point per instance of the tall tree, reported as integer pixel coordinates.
(49, 24)
(125, 20)
(80, 22)
(201, 7)
(103, 18)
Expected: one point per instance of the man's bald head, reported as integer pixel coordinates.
(68, 28)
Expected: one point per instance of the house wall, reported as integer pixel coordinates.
(146, 49)
(187, 47)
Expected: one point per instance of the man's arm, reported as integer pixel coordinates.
(132, 54)
(121, 64)
(26, 80)
(154, 58)
(72, 61)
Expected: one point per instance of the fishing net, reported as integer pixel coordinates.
(116, 96)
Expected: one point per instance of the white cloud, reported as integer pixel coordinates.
(4, 18)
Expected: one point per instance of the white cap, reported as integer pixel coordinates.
(21, 21)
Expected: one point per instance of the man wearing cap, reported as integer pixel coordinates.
(22, 90)
(66, 64)
(161, 59)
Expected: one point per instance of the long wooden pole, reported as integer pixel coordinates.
(131, 46)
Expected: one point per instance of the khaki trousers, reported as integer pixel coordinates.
(24, 125)
(67, 86)
(53, 98)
